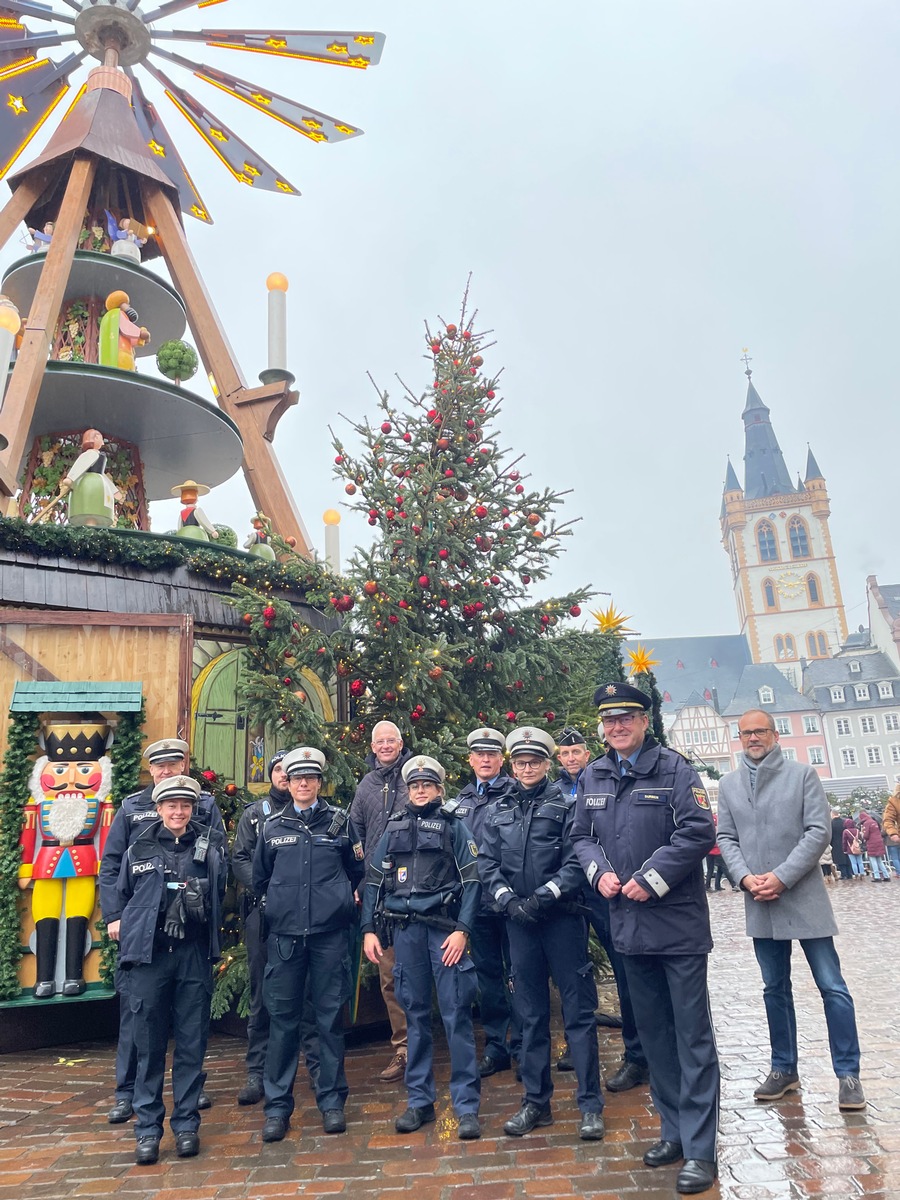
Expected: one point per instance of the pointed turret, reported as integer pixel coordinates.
(812, 467)
(732, 483)
(764, 471)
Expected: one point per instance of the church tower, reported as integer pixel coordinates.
(776, 536)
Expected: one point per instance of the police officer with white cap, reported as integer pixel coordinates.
(307, 866)
(254, 816)
(165, 759)
(643, 827)
(422, 889)
(170, 892)
(528, 866)
(489, 942)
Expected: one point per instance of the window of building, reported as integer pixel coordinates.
(873, 756)
(810, 724)
(866, 724)
(785, 646)
(813, 591)
(789, 753)
(770, 597)
(765, 540)
(855, 666)
(783, 725)
(766, 695)
(704, 736)
(837, 695)
(817, 645)
(816, 756)
(862, 691)
(895, 754)
(734, 730)
(885, 691)
(842, 727)
(799, 538)
(848, 757)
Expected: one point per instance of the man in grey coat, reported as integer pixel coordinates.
(774, 823)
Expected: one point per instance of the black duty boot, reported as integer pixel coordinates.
(46, 934)
(76, 932)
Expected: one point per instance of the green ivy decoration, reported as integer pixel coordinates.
(14, 793)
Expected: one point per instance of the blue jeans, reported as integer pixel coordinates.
(894, 852)
(879, 867)
(856, 863)
(774, 958)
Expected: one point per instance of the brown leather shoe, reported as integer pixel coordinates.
(395, 1070)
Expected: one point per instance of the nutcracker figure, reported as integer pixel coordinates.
(67, 820)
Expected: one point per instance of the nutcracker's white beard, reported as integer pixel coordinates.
(67, 817)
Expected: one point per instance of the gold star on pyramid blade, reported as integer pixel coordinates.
(640, 662)
(610, 620)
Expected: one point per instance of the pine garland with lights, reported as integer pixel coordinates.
(14, 793)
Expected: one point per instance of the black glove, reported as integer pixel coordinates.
(173, 925)
(542, 899)
(517, 910)
(194, 893)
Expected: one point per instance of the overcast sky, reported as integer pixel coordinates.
(641, 188)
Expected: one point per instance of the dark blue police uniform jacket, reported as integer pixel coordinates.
(472, 808)
(653, 825)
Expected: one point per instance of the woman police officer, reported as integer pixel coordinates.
(171, 885)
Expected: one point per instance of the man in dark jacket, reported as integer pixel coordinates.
(573, 755)
(643, 827)
(528, 866)
(254, 816)
(489, 942)
(380, 794)
(165, 759)
(307, 866)
(838, 857)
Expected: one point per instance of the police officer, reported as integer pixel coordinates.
(528, 866)
(307, 866)
(573, 755)
(254, 816)
(165, 759)
(642, 830)
(423, 886)
(489, 942)
(170, 891)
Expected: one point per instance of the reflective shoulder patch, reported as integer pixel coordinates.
(701, 797)
(266, 807)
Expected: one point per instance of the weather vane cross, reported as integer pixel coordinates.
(746, 360)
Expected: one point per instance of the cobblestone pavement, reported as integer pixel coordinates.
(55, 1141)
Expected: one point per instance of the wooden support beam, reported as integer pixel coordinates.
(255, 411)
(20, 204)
(28, 373)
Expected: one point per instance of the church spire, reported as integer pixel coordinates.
(812, 467)
(764, 471)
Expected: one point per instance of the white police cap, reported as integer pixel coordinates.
(304, 760)
(178, 787)
(487, 740)
(529, 740)
(166, 750)
(420, 766)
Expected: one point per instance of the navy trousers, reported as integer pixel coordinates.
(174, 990)
(320, 962)
(126, 1054)
(599, 919)
(489, 944)
(557, 947)
(258, 1018)
(417, 961)
(671, 1007)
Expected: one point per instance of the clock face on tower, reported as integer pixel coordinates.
(789, 584)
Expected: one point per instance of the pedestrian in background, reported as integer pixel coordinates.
(873, 844)
(891, 828)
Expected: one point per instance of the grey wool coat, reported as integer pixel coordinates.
(783, 827)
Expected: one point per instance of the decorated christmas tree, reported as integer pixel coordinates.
(442, 630)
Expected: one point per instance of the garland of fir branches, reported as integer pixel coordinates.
(125, 752)
(14, 793)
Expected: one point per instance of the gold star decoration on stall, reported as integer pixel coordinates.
(611, 620)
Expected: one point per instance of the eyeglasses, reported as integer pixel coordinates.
(623, 719)
(749, 733)
(529, 764)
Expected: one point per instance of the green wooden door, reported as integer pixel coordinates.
(220, 730)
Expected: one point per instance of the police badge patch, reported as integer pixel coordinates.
(402, 873)
(358, 851)
(701, 797)
(474, 849)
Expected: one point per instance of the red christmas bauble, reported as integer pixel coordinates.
(407, 437)
(209, 776)
(549, 715)
(393, 618)
(443, 553)
(248, 618)
(480, 511)
(269, 624)
(495, 579)
(510, 716)
(443, 603)
(424, 581)
(448, 474)
(442, 443)
(414, 716)
(526, 579)
(339, 458)
(230, 789)
(373, 520)
(287, 681)
(370, 587)
(357, 687)
(435, 347)
(403, 603)
(389, 697)
(386, 427)
(466, 334)
(269, 612)
(533, 518)
(451, 330)
(490, 395)
(350, 489)
(477, 360)
(575, 610)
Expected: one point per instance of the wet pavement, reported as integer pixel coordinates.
(55, 1141)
